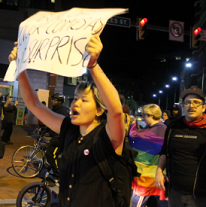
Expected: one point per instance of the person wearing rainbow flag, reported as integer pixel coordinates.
(183, 154)
(148, 143)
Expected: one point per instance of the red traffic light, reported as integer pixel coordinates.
(196, 31)
(143, 22)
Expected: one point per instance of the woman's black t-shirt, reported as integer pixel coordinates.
(81, 182)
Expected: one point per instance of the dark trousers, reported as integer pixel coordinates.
(177, 199)
(8, 128)
(148, 201)
(53, 144)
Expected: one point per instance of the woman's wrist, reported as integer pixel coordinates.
(95, 64)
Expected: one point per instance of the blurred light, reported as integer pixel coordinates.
(177, 58)
(160, 91)
(197, 31)
(174, 78)
(154, 95)
(188, 65)
(163, 60)
(187, 59)
(85, 70)
(167, 86)
(143, 22)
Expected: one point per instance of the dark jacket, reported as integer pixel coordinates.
(9, 113)
(199, 188)
(167, 122)
(59, 110)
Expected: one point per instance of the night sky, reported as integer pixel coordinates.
(124, 56)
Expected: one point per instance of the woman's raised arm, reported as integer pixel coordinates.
(44, 114)
(110, 96)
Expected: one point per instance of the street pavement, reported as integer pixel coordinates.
(10, 182)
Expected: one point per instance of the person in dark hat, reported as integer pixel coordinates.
(183, 154)
(176, 112)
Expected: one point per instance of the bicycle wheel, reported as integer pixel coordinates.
(27, 162)
(34, 194)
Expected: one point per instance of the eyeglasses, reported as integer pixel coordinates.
(146, 115)
(194, 103)
(54, 99)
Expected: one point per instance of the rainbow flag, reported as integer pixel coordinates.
(148, 145)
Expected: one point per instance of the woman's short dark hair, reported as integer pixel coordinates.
(167, 112)
(98, 100)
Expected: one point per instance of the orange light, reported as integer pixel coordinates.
(196, 31)
(143, 22)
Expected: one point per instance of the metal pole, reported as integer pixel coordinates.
(167, 101)
(175, 95)
(159, 102)
(203, 77)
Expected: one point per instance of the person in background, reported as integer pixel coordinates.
(8, 110)
(176, 112)
(183, 154)
(39, 122)
(166, 117)
(57, 100)
(148, 143)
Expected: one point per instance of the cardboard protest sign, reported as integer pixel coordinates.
(55, 42)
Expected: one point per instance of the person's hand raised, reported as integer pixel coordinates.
(13, 54)
(94, 48)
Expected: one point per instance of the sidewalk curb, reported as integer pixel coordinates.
(7, 201)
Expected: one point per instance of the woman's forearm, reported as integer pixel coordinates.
(106, 89)
(27, 92)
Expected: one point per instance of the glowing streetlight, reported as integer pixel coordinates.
(160, 91)
(174, 79)
(188, 65)
(167, 86)
(154, 95)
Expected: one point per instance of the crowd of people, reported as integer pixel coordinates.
(106, 159)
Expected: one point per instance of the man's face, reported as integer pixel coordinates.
(175, 112)
(193, 107)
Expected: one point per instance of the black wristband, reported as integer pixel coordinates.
(92, 66)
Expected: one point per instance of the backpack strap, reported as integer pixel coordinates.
(102, 162)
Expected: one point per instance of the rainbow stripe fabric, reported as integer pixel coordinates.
(148, 145)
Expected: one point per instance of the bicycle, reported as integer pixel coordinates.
(28, 161)
(37, 193)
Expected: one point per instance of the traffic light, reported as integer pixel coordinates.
(142, 28)
(195, 37)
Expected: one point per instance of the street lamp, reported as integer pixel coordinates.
(167, 86)
(174, 78)
(188, 65)
(154, 95)
(159, 97)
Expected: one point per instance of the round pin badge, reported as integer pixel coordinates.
(86, 152)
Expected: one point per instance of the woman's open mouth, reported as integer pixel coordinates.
(75, 113)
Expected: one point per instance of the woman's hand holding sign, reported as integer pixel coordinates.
(94, 48)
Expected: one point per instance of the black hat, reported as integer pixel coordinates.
(175, 107)
(58, 96)
(195, 91)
